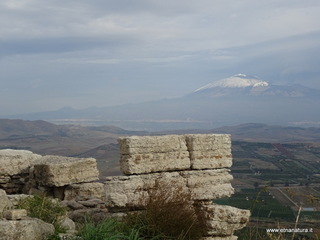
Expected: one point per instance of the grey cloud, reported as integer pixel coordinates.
(165, 7)
(62, 44)
(155, 48)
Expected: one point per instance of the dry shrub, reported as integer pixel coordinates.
(169, 214)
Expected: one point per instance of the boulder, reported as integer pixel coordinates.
(68, 224)
(32, 228)
(60, 171)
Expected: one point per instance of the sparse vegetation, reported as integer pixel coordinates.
(47, 209)
(169, 215)
(110, 229)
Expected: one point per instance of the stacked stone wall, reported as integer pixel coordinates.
(199, 163)
(73, 180)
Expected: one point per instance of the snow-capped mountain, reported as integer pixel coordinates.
(248, 85)
(236, 81)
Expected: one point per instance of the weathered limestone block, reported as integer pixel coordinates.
(15, 214)
(4, 201)
(14, 168)
(209, 151)
(95, 189)
(149, 144)
(209, 184)
(60, 171)
(154, 162)
(210, 160)
(224, 220)
(207, 142)
(153, 154)
(32, 228)
(13, 162)
(174, 152)
(133, 191)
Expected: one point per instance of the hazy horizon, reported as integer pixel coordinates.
(102, 53)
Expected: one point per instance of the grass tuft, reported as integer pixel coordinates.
(106, 229)
(47, 209)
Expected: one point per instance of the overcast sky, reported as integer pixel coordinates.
(82, 53)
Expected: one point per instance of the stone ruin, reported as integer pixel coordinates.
(197, 162)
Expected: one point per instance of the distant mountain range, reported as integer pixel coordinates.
(101, 142)
(257, 132)
(235, 100)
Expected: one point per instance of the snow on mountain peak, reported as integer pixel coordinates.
(236, 81)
